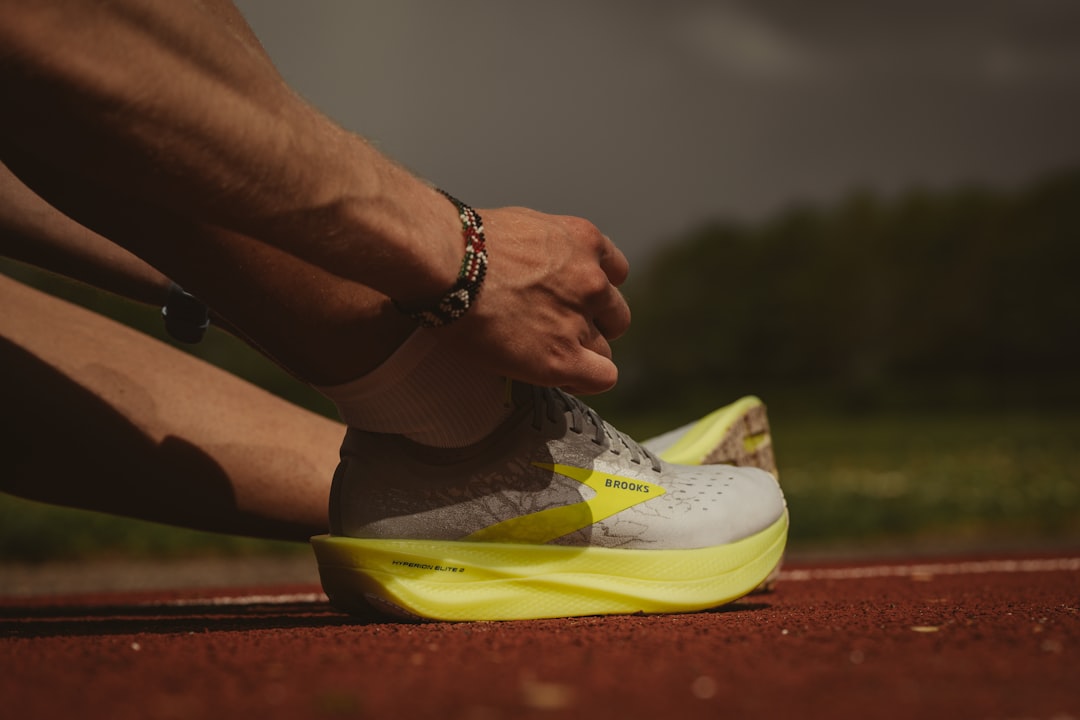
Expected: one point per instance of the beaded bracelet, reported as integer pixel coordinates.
(464, 292)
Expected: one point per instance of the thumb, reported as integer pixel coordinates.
(595, 374)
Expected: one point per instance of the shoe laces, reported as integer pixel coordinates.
(552, 402)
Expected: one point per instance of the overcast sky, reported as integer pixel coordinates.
(650, 117)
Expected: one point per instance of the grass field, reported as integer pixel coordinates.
(991, 479)
(872, 483)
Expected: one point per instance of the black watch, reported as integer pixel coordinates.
(186, 317)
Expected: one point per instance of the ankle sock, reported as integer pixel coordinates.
(426, 393)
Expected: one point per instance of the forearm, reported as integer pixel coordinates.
(315, 324)
(34, 232)
(170, 109)
(165, 103)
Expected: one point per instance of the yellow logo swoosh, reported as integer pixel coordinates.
(614, 494)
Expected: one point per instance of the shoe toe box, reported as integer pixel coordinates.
(719, 504)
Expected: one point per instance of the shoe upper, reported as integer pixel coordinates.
(553, 472)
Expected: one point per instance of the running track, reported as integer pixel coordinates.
(975, 638)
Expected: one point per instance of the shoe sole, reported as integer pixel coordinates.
(463, 581)
(737, 434)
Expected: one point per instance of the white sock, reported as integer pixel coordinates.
(430, 396)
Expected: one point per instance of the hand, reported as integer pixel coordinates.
(550, 302)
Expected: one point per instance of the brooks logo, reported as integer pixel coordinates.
(624, 485)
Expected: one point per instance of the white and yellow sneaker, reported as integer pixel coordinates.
(555, 514)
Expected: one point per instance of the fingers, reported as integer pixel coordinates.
(593, 369)
(611, 314)
(614, 262)
(603, 304)
(610, 318)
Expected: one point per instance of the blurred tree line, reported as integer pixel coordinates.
(966, 298)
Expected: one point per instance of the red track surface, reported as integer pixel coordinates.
(969, 639)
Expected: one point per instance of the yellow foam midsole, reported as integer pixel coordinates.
(458, 580)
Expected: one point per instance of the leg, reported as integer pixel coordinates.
(98, 416)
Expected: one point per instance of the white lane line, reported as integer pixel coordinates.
(294, 598)
(973, 567)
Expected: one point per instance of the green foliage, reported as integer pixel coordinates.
(931, 297)
(949, 479)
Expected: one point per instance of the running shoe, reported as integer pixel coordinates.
(736, 434)
(556, 514)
